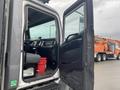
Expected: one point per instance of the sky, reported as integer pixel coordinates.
(106, 16)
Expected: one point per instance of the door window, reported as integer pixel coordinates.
(74, 23)
(117, 46)
(111, 46)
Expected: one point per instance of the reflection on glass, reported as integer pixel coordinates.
(46, 30)
(74, 23)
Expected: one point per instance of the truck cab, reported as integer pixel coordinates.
(117, 49)
(39, 52)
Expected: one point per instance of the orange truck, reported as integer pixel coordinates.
(105, 48)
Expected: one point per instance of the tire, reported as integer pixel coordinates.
(104, 57)
(118, 57)
(99, 58)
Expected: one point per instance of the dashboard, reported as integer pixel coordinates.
(34, 46)
(48, 43)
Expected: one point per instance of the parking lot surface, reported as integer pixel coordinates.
(107, 75)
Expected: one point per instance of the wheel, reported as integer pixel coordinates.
(104, 57)
(118, 57)
(99, 58)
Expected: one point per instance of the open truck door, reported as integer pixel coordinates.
(76, 51)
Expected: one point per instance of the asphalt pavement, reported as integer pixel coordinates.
(107, 75)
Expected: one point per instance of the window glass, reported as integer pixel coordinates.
(111, 46)
(74, 23)
(117, 46)
(44, 31)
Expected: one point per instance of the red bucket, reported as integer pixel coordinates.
(41, 68)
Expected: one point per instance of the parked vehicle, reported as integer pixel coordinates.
(37, 52)
(116, 48)
(106, 48)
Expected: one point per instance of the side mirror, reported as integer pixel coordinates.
(72, 36)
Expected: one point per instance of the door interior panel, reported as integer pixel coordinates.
(71, 54)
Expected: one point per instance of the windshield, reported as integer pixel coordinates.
(44, 31)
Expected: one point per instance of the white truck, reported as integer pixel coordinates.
(38, 53)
